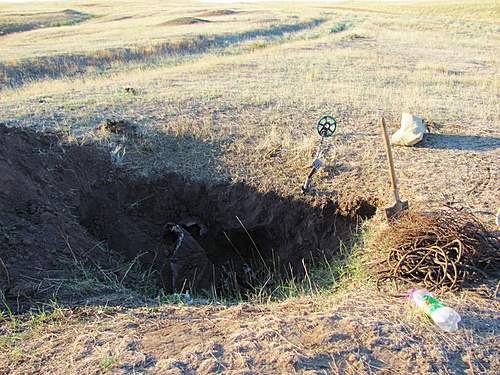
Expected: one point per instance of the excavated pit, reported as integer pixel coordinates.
(62, 205)
(224, 236)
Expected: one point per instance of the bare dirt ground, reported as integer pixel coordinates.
(155, 119)
(356, 331)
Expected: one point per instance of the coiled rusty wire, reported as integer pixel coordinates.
(440, 251)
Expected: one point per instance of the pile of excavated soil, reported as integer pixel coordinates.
(41, 239)
(65, 210)
(183, 21)
(219, 12)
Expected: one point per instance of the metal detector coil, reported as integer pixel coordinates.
(326, 126)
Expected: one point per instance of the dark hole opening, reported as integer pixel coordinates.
(228, 238)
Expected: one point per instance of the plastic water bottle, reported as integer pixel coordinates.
(445, 317)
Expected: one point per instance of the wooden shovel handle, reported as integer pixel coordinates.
(390, 162)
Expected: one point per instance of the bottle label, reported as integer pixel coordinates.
(431, 304)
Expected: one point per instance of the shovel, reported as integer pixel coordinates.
(398, 206)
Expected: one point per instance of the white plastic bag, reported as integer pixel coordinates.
(411, 131)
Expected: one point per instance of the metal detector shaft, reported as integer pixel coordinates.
(316, 164)
(320, 147)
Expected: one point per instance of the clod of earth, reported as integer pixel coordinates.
(67, 212)
(121, 127)
(130, 90)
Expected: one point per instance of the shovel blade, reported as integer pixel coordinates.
(396, 209)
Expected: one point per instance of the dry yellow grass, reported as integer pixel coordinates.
(487, 10)
(443, 71)
(245, 98)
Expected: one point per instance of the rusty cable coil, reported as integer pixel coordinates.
(440, 251)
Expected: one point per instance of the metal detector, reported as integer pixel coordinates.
(326, 127)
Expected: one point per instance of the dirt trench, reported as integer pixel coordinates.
(67, 210)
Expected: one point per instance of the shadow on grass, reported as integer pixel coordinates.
(459, 142)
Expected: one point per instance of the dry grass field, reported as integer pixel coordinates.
(227, 95)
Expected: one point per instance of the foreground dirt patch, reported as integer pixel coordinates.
(357, 332)
(67, 211)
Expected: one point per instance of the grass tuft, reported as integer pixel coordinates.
(338, 27)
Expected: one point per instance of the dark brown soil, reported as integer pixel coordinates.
(183, 21)
(41, 240)
(67, 211)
